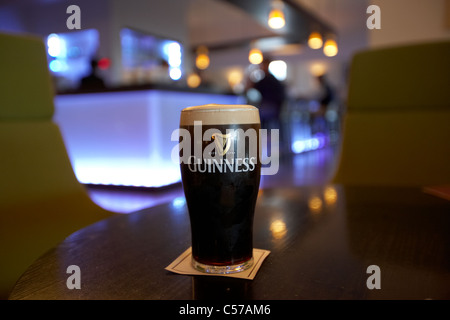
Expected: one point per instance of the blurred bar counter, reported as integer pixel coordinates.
(122, 136)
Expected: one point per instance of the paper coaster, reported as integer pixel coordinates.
(183, 265)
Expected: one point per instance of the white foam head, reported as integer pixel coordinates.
(220, 114)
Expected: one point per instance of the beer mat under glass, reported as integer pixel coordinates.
(183, 265)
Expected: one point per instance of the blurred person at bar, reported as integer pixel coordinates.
(326, 94)
(92, 81)
(325, 97)
(272, 96)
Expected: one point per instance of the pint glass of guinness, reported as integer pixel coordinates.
(220, 171)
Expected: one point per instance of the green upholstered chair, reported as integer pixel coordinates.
(41, 201)
(397, 125)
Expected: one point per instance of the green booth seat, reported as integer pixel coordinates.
(41, 201)
(397, 125)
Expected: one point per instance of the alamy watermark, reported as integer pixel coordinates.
(74, 20)
(74, 280)
(374, 280)
(374, 20)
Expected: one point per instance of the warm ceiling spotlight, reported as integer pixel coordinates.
(330, 48)
(235, 77)
(317, 69)
(315, 40)
(193, 80)
(276, 16)
(255, 56)
(202, 59)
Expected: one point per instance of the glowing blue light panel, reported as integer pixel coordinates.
(124, 138)
(69, 54)
(149, 53)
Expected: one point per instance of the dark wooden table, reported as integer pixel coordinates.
(322, 241)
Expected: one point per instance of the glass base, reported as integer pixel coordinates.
(222, 269)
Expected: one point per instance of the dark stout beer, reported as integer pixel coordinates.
(221, 181)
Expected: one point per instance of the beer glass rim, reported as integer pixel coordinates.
(226, 114)
(219, 107)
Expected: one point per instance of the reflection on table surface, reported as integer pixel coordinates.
(322, 240)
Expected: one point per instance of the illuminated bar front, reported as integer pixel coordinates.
(123, 138)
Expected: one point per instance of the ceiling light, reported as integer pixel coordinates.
(315, 40)
(276, 16)
(330, 49)
(193, 80)
(255, 56)
(202, 60)
(317, 69)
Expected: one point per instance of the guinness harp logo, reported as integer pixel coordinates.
(223, 142)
